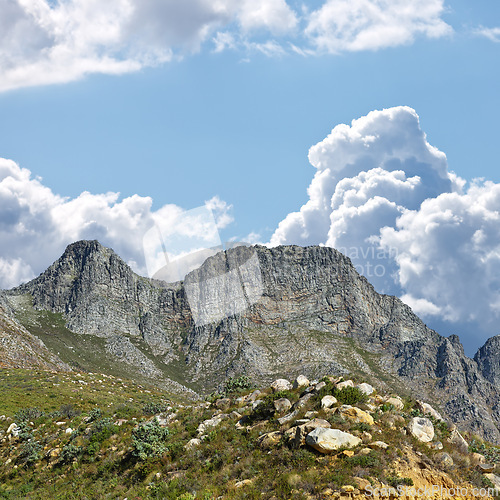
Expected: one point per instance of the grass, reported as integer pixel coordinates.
(139, 459)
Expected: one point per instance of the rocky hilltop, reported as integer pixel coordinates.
(324, 439)
(313, 313)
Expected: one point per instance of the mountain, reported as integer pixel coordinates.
(260, 311)
(19, 348)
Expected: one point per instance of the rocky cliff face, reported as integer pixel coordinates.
(306, 310)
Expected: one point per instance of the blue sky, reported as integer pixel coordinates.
(163, 109)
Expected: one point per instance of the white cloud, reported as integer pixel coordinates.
(45, 42)
(352, 25)
(384, 197)
(275, 15)
(492, 34)
(36, 224)
(449, 255)
(388, 141)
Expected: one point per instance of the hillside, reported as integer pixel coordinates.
(314, 314)
(96, 436)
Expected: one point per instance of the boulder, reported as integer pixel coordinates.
(395, 401)
(297, 435)
(346, 383)
(421, 429)
(281, 384)
(328, 401)
(301, 381)
(365, 388)
(287, 418)
(282, 405)
(362, 483)
(444, 459)
(328, 440)
(270, 439)
(193, 443)
(302, 401)
(427, 409)
(494, 479)
(477, 458)
(378, 445)
(208, 424)
(223, 404)
(355, 415)
(254, 396)
(484, 468)
(319, 386)
(458, 441)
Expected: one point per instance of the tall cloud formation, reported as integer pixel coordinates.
(385, 197)
(45, 42)
(36, 224)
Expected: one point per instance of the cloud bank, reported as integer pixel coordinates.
(36, 224)
(47, 42)
(385, 197)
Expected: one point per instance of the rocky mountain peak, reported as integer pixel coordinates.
(267, 311)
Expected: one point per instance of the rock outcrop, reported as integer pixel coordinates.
(19, 348)
(308, 311)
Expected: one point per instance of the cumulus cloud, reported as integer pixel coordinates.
(352, 25)
(385, 197)
(45, 42)
(36, 224)
(367, 175)
(449, 255)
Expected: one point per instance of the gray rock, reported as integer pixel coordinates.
(281, 405)
(328, 440)
(427, 409)
(281, 384)
(457, 440)
(301, 381)
(328, 401)
(422, 429)
(365, 388)
(494, 479)
(444, 460)
(485, 468)
(192, 443)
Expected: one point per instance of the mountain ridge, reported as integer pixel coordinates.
(315, 313)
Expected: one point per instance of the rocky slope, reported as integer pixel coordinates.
(19, 348)
(306, 310)
(320, 439)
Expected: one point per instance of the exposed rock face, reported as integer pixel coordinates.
(488, 360)
(19, 348)
(314, 314)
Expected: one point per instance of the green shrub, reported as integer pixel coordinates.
(154, 408)
(266, 409)
(30, 452)
(28, 414)
(69, 411)
(396, 481)
(349, 395)
(148, 440)
(237, 384)
(102, 430)
(95, 414)
(387, 407)
(70, 452)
